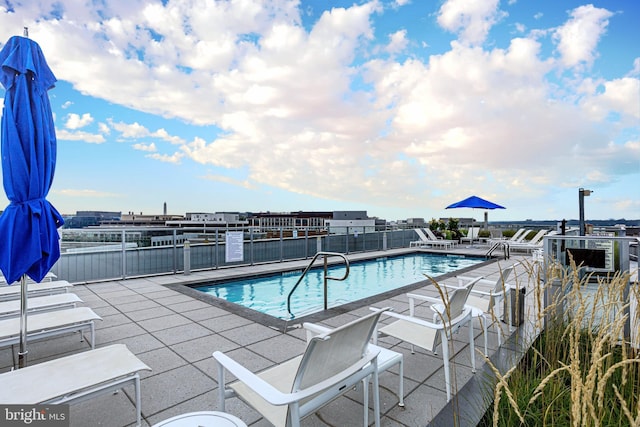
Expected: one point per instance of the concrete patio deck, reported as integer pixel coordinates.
(174, 331)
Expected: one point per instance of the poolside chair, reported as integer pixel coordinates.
(439, 332)
(483, 303)
(331, 365)
(40, 304)
(519, 235)
(530, 245)
(8, 293)
(444, 242)
(472, 234)
(424, 240)
(74, 378)
(49, 324)
(386, 359)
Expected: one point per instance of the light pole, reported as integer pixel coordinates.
(581, 195)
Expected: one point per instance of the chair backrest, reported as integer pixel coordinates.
(538, 237)
(523, 235)
(504, 276)
(473, 232)
(421, 234)
(335, 351)
(457, 299)
(516, 236)
(430, 234)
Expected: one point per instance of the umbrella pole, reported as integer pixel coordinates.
(22, 353)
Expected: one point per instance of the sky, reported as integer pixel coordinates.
(396, 107)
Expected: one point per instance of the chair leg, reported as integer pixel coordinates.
(483, 323)
(445, 359)
(365, 400)
(401, 385)
(138, 400)
(376, 394)
(472, 346)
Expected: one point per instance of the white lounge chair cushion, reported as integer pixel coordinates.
(39, 303)
(45, 321)
(13, 291)
(47, 381)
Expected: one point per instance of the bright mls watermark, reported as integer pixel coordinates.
(34, 415)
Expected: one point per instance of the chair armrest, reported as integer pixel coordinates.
(468, 280)
(314, 329)
(412, 319)
(435, 300)
(251, 380)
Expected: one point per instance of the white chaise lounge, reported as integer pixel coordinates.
(40, 304)
(34, 289)
(74, 378)
(52, 323)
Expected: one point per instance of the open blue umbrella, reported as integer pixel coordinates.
(28, 226)
(476, 202)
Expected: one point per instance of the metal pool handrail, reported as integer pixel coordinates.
(326, 278)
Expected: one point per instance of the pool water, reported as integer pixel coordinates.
(268, 294)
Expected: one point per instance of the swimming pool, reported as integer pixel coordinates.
(268, 294)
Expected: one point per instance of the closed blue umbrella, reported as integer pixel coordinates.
(28, 226)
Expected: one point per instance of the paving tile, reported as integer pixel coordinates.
(117, 333)
(141, 343)
(279, 348)
(181, 333)
(149, 313)
(223, 323)
(203, 347)
(111, 409)
(113, 320)
(175, 299)
(160, 360)
(164, 322)
(249, 334)
(137, 305)
(420, 407)
(205, 313)
(187, 306)
(172, 387)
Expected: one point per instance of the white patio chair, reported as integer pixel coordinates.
(472, 234)
(331, 365)
(444, 242)
(431, 334)
(483, 303)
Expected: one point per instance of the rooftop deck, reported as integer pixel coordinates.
(175, 331)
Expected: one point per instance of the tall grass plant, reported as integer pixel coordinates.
(581, 370)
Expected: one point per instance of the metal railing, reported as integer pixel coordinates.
(326, 277)
(92, 255)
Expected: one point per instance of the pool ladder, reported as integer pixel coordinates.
(325, 255)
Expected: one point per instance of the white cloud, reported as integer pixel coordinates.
(472, 20)
(145, 147)
(166, 158)
(75, 121)
(66, 105)
(397, 42)
(91, 138)
(577, 38)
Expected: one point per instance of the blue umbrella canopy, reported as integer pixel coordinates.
(475, 202)
(28, 226)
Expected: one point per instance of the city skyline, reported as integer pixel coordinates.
(399, 108)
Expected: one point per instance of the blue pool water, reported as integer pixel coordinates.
(268, 294)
